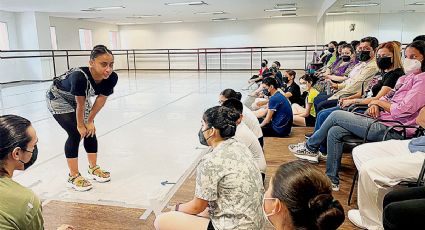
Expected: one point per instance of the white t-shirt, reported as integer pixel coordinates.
(252, 122)
(245, 136)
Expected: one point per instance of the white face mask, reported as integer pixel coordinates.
(303, 87)
(266, 216)
(411, 66)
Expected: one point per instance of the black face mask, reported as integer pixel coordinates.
(363, 55)
(285, 80)
(202, 139)
(32, 160)
(345, 58)
(384, 63)
(266, 92)
(331, 50)
(263, 64)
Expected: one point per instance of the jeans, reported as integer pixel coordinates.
(336, 126)
(320, 118)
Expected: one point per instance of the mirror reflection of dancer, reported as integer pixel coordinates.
(68, 99)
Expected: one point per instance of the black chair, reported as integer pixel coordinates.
(353, 141)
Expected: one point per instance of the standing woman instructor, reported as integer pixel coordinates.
(68, 99)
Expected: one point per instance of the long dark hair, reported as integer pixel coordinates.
(223, 119)
(99, 50)
(13, 133)
(307, 194)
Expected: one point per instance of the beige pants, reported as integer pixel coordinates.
(381, 166)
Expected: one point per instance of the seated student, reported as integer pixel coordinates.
(388, 58)
(278, 121)
(299, 196)
(306, 116)
(339, 70)
(381, 166)
(20, 208)
(401, 104)
(278, 75)
(404, 209)
(245, 136)
(249, 117)
(258, 78)
(389, 64)
(360, 75)
(291, 89)
(330, 57)
(229, 190)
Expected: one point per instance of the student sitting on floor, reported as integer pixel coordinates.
(291, 89)
(20, 208)
(306, 116)
(300, 197)
(249, 117)
(229, 189)
(255, 79)
(278, 121)
(245, 136)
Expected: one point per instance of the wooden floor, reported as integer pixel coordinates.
(84, 216)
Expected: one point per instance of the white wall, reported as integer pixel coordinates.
(386, 27)
(261, 32)
(68, 38)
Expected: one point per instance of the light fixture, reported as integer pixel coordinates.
(361, 5)
(186, 3)
(417, 4)
(223, 19)
(284, 16)
(210, 13)
(144, 16)
(285, 4)
(126, 23)
(88, 18)
(104, 8)
(340, 12)
(169, 22)
(281, 9)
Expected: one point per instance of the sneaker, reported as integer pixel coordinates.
(79, 183)
(296, 147)
(300, 151)
(308, 135)
(355, 218)
(335, 187)
(323, 156)
(97, 174)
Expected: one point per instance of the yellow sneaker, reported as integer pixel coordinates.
(79, 183)
(97, 174)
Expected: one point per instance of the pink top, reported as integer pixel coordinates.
(407, 98)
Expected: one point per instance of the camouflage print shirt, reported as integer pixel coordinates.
(229, 179)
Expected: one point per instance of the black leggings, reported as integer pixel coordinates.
(404, 209)
(68, 122)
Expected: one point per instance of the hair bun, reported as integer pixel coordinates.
(329, 213)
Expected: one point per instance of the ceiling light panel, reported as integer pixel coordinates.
(186, 3)
(360, 4)
(281, 9)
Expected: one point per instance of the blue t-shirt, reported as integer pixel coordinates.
(282, 116)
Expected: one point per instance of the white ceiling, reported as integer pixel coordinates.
(385, 6)
(240, 9)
